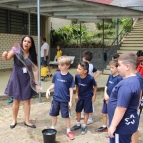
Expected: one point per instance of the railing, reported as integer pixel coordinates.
(117, 41)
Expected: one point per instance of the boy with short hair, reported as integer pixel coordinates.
(85, 94)
(87, 56)
(63, 84)
(113, 79)
(124, 101)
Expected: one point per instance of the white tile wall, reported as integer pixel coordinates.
(6, 42)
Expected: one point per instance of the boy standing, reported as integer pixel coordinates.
(124, 101)
(87, 56)
(113, 79)
(63, 84)
(85, 94)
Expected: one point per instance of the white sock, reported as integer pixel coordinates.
(83, 125)
(53, 127)
(78, 123)
(68, 130)
(104, 126)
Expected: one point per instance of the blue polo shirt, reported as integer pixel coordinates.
(141, 84)
(62, 85)
(85, 86)
(111, 82)
(125, 94)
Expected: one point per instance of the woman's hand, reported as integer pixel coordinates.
(4, 55)
(38, 89)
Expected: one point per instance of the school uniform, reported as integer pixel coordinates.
(141, 84)
(111, 82)
(61, 94)
(85, 93)
(125, 94)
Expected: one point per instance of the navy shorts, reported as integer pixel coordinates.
(104, 108)
(85, 104)
(57, 106)
(121, 138)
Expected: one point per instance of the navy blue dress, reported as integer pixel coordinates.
(19, 83)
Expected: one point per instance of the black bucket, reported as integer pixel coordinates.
(49, 135)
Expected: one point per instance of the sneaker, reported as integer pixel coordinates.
(83, 130)
(75, 128)
(107, 136)
(102, 129)
(90, 121)
(70, 135)
(10, 100)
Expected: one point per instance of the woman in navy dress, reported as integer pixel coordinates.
(18, 86)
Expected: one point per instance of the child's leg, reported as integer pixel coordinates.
(68, 124)
(135, 137)
(79, 107)
(86, 116)
(65, 112)
(90, 119)
(54, 122)
(54, 112)
(78, 115)
(104, 117)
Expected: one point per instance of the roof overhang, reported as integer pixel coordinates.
(79, 10)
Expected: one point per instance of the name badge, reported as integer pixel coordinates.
(24, 70)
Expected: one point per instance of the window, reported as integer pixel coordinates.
(16, 22)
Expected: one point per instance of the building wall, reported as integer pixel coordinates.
(6, 42)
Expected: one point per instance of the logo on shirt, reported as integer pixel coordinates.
(61, 80)
(130, 120)
(111, 82)
(82, 84)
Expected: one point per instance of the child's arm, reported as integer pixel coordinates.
(140, 99)
(7, 55)
(106, 97)
(94, 95)
(118, 115)
(49, 89)
(97, 73)
(76, 97)
(71, 96)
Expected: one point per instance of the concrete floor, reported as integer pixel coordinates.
(5, 75)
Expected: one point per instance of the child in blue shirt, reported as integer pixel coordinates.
(113, 79)
(63, 84)
(135, 136)
(124, 101)
(85, 94)
(87, 57)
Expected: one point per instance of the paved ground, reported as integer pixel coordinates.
(40, 117)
